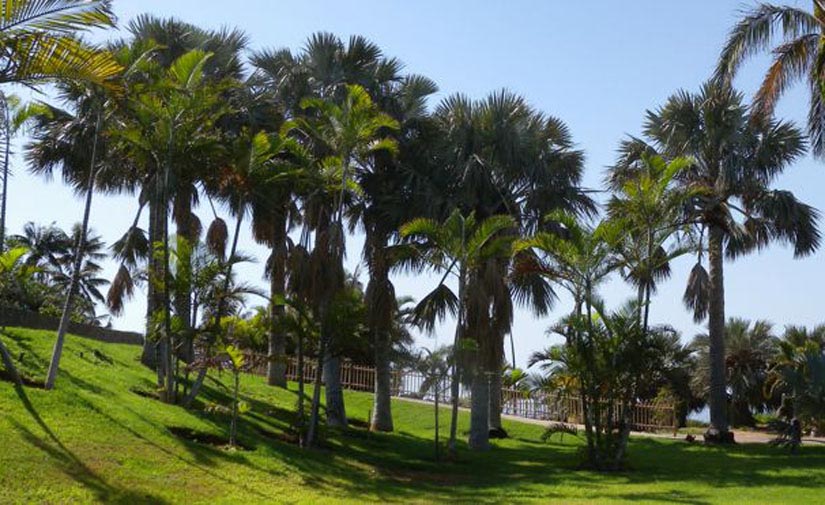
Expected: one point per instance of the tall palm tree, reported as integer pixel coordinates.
(798, 57)
(734, 209)
(749, 351)
(171, 39)
(505, 157)
(167, 40)
(458, 249)
(258, 161)
(166, 127)
(390, 196)
(322, 68)
(350, 134)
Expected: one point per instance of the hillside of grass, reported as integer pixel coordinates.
(99, 437)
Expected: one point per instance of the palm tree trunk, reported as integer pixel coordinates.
(384, 301)
(479, 414)
(149, 357)
(276, 367)
(6, 160)
(301, 417)
(455, 383)
(315, 407)
(186, 239)
(495, 403)
(382, 406)
(718, 429)
(77, 266)
(336, 412)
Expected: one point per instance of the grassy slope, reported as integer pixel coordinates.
(93, 440)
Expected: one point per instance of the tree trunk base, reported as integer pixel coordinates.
(715, 437)
(498, 433)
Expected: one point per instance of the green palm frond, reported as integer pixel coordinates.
(54, 15)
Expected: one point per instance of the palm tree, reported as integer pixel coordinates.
(798, 375)
(322, 68)
(734, 210)
(504, 157)
(89, 282)
(575, 256)
(390, 198)
(256, 162)
(799, 56)
(169, 40)
(350, 135)
(646, 221)
(45, 244)
(166, 127)
(39, 42)
(458, 249)
(749, 351)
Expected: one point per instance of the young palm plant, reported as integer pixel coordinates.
(457, 249)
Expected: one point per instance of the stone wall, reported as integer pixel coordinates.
(26, 319)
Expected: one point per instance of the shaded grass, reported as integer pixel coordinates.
(95, 439)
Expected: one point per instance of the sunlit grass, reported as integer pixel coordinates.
(96, 440)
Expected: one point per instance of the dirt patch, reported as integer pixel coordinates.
(202, 438)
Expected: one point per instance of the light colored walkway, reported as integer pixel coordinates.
(741, 436)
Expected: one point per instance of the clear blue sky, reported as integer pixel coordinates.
(597, 65)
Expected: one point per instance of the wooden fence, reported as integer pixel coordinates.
(405, 383)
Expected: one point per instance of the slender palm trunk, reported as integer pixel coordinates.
(186, 239)
(301, 415)
(336, 412)
(382, 406)
(276, 367)
(496, 387)
(455, 384)
(216, 323)
(380, 283)
(6, 160)
(315, 407)
(716, 333)
(77, 266)
(437, 391)
(149, 357)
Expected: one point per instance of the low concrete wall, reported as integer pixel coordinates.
(26, 319)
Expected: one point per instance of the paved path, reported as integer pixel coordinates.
(741, 436)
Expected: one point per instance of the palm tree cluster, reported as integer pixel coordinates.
(50, 254)
(304, 147)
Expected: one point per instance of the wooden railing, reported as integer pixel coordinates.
(407, 383)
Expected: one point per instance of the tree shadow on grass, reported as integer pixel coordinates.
(71, 465)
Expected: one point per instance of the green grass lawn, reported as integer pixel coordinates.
(94, 439)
